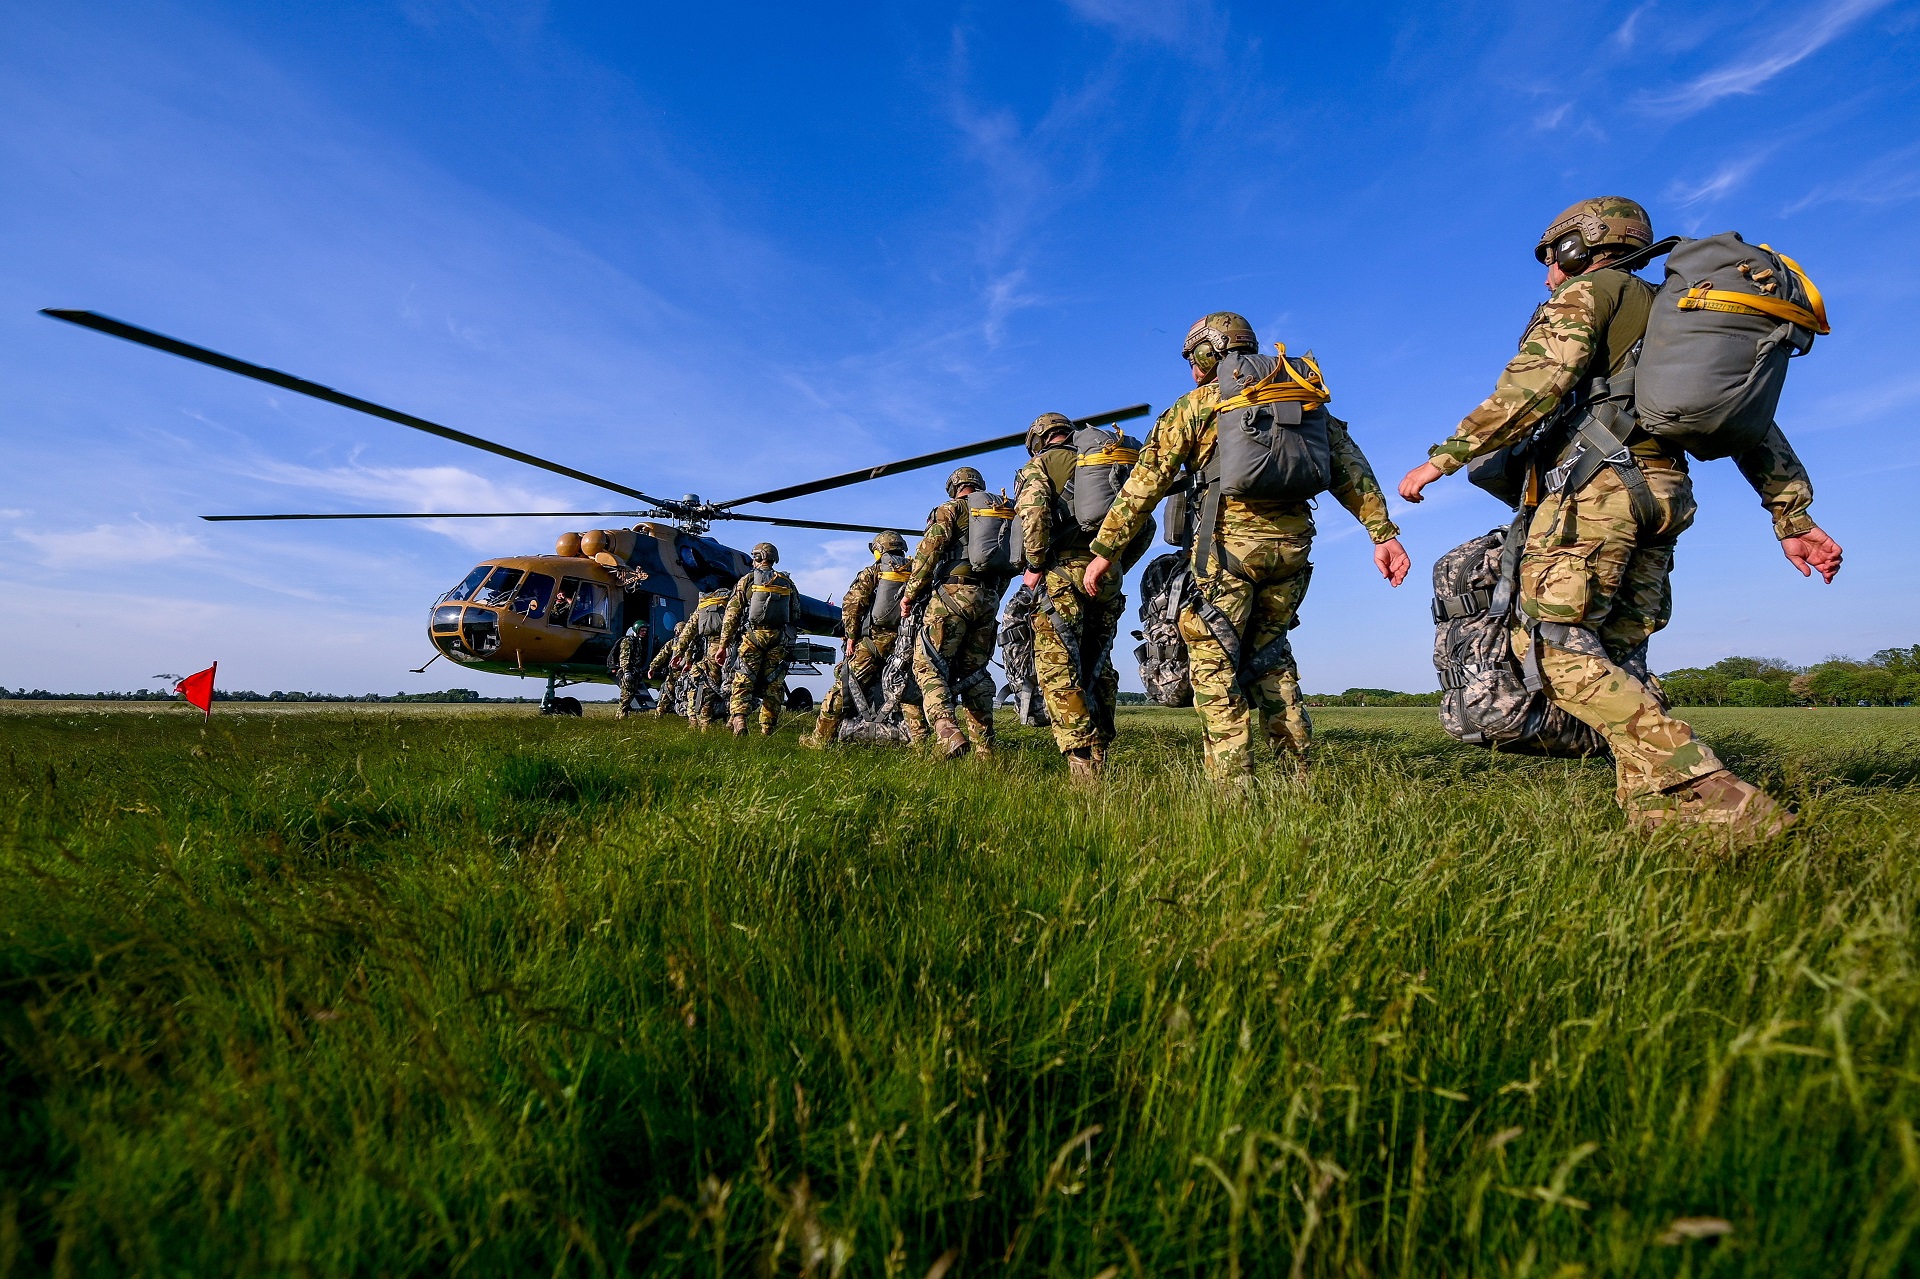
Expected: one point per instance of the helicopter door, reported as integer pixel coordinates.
(664, 613)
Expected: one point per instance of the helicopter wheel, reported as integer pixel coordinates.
(564, 706)
(799, 699)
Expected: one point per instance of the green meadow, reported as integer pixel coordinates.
(384, 992)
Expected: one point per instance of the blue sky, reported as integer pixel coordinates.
(715, 253)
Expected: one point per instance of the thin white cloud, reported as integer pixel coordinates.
(113, 546)
(1893, 178)
(1627, 32)
(437, 488)
(1766, 60)
(1188, 25)
(1718, 183)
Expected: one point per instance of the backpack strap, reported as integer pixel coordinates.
(1206, 535)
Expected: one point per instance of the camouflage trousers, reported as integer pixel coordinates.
(862, 665)
(1601, 584)
(1073, 656)
(961, 625)
(761, 673)
(631, 682)
(1257, 586)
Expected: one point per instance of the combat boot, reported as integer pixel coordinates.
(826, 731)
(739, 725)
(1719, 800)
(948, 738)
(980, 728)
(1083, 767)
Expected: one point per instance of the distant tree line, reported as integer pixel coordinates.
(248, 695)
(1372, 697)
(1891, 677)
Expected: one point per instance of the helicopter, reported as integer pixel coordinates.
(557, 616)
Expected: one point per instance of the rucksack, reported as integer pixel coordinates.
(990, 519)
(890, 583)
(1017, 657)
(1723, 326)
(1484, 698)
(1162, 653)
(710, 617)
(770, 602)
(1273, 443)
(1104, 459)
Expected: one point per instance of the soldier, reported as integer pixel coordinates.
(1073, 630)
(700, 694)
(870, 626)
(1593, 577)
(663, 669)
(961, 623)
(761, 616)
(1251, 572)
(628, 664)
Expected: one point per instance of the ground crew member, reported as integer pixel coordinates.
(629, 665)
(761, 617)
(960, 625)
(1073, 631)
(869, 635)
(662, 669)
(1593, 578)
(1254, 575)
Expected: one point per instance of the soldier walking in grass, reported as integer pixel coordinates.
(761, 617)
(628, 665)
(1254, 453)
(870, 623)
(702, 695)
(1593, 578)
(662, 669)
(1073, 630)
(960, 570)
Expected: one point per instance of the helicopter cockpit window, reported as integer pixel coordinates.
(531, 599)
(590, 606)
(469, 586)
(498, 589)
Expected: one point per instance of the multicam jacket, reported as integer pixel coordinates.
(859, 598)
(943, 544)
(664, 658)
(1590, 320)
(1184, 438)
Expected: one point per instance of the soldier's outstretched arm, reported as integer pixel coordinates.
(1786, 490)
(1355, 487)
(1554, 353)
(1033, 501)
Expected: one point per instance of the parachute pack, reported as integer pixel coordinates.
(1162, 653)
(1723, 326)
(1271, 422)
(890, 584)
(990, 522)
(1104, 459)
(770, 600)
(1017, 657)
(710, 615)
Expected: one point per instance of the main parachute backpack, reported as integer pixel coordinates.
(710, 616)
(1723, 326)
(884, 613)
(990, 520)
(1104, 460)
(770, 600)
(1271, 422)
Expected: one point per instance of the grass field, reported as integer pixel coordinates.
(377, 991)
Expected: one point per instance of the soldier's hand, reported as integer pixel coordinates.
(1391, 559)
(906, 608)
(1096, 570)
(1813, 551)
(1418, 478)
(1030, 580)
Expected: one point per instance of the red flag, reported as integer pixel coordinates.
(198, 689)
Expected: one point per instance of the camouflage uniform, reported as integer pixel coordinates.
(697, 696)
(1256, 579)
(869, 643)
(760, 670)
(1072, 633)
(961, 623)
(662, 669)
(629, 666)
(1596, 578)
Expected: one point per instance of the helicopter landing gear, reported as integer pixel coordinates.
(551, 705)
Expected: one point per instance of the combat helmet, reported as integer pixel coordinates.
(1043, 426)
(887, 542)
(766, 551)
(1605, 222)
(1214, 335)
(965, 475)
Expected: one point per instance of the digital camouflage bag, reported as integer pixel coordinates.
(1017, 658)
(1484, 695)
(1162, 654)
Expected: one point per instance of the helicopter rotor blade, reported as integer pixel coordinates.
(286, 381)
(927, 459)
(434, 515)
(837, 528)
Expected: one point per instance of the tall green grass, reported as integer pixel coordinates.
(364, 993)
